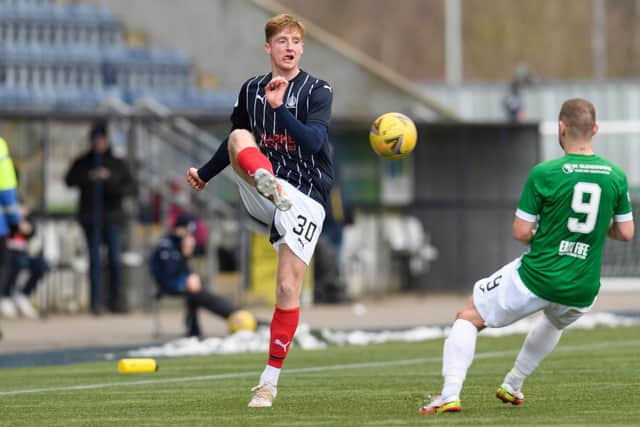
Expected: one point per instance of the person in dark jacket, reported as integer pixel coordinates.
(169, 266)
(103, 180)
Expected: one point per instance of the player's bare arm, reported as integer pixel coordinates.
(194, 180)
(523, 231)
(621, 230)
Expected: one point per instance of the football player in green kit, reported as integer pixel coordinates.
(568, 207)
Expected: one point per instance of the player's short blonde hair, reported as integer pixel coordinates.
(579, 116)
(277, 23)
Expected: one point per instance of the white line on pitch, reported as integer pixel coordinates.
(485, 355)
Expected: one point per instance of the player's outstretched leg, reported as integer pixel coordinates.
(250, 162)
(268, 186)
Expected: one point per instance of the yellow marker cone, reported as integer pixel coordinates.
(134, 366)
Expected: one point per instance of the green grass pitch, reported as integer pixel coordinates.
(591, 379)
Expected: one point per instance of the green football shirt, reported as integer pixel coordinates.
(573, 199)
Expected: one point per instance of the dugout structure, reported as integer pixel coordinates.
(468, 184)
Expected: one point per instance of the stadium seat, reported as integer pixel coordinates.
(48, 51)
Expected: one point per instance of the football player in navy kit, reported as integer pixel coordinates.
(278, 147)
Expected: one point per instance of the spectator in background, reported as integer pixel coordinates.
(514, 104)
(181, 205)
(25, 252)
(103, 180)
(169, 266)
(9, 210)
(514, 101)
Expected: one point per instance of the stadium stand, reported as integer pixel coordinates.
(71, 57)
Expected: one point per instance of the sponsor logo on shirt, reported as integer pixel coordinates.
(570, 168)
(574, 249)
(278, 142)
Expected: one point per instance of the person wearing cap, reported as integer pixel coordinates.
(104, 180)
(169, 266)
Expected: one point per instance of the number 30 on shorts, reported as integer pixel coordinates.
(305, 228)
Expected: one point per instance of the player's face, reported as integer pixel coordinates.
(285, 49)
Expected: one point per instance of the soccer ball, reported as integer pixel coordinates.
(241, 320)
(393, 136)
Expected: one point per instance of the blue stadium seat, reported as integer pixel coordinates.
(59, 25)
(23, 4)
(138, 69)
(14, 96)
(72, 56)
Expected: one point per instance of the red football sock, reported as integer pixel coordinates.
(283, 327)
(251, 159)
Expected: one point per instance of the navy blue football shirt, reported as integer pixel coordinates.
(308, 99)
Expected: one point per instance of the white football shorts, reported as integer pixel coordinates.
(299, 227)
(503, 298)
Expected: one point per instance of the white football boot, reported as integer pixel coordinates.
(263, 397)
(268, 186)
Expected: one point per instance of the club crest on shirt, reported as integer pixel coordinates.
(292, 101)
